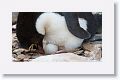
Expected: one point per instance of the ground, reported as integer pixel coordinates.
(89, 51)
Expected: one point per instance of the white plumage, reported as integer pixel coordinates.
(57, 35)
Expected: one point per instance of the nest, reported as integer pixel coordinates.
(91, 50)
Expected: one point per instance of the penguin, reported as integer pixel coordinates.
(57, 37)
(55, 32)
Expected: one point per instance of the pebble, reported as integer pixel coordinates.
(21, 57)
(79, 52)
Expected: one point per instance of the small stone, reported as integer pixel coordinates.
(79, 52)
(21, 57)
(15, 44)
(14, 55)
(88, 46)
(98, 55)
(27, 58)
(20, 50)
(87, 53)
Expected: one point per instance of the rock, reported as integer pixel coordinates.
(98, 54)
(14, 55)
(91, 46)
(15, 45)
(63, 57)
(21, 56)
(88, 46)
(20, 50)
(87, 53)
(93, 51)
(27, 58)
(79, 52)
(15, 42)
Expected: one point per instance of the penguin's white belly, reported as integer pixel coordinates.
(56, 33)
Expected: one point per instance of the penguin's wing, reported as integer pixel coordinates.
(74, 27)
(91, 21)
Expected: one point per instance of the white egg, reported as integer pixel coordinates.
(50, 48)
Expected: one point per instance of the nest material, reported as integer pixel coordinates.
(91, 50)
